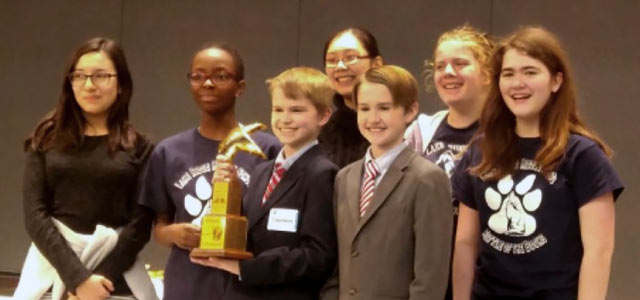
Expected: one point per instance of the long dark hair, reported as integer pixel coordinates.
(558, 119)
(64, 126)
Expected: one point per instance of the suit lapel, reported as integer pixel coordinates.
(388, 183)
(289, 178)
(253, 201)
(354, 180)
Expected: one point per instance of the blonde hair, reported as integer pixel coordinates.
(304, 82)
(481, 46)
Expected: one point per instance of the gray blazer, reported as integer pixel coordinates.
(400, 248)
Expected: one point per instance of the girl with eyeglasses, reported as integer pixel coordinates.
(177, 184)
(347, 54)
(536, 187)
(83, 163)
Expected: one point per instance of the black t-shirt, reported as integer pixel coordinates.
(530, 244)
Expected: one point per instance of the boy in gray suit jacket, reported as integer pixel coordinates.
(393, 208)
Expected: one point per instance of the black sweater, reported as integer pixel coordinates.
(81, 188)
(340, 139)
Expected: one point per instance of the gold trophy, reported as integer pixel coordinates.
(224, 229)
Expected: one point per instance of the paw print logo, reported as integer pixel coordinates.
(199, 205)
(513, 205)
(447, 162)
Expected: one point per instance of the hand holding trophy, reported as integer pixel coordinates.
(224, 229)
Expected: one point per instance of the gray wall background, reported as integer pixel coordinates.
(159, 38)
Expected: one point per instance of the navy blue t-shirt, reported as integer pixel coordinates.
(445, 150)
(178, 182)
(447, 143)
(530, 243)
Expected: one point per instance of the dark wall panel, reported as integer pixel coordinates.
(38, 38)
(162, 38)
(602, 42)
(406, 31)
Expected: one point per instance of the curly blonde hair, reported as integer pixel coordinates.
(482, 46)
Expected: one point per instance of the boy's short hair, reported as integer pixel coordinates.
(402, 85)
(305, 82)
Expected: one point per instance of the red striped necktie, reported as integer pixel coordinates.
(278, 171)
(368, 185)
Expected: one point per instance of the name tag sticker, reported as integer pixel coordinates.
(283, 219)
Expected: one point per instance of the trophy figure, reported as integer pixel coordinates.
(224, 229)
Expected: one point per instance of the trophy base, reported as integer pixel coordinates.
(233, 254)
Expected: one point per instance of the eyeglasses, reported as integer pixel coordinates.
(219, 78)
(346, 60)
(99, 79)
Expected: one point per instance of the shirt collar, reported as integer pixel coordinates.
(288, 162)
(385, 160)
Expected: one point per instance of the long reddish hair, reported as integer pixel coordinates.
(558, 119)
